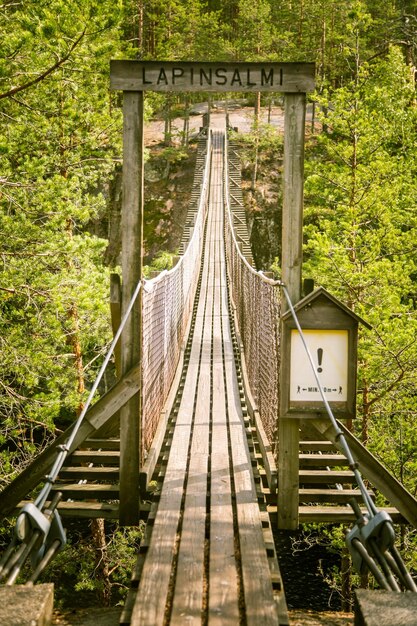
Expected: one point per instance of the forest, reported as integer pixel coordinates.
(60, 147)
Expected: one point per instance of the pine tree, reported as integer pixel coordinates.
(361, 223)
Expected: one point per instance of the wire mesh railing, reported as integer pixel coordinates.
(167, 305)
(257, 301)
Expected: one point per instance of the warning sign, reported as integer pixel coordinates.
(329, 349)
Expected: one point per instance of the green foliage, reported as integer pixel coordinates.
(74, 570)
(360, 238)
(60, 139)
(59, 144)
(162, 261)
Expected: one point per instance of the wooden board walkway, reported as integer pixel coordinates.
(207, 562)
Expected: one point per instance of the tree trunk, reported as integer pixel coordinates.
(168, 123)
(186, 127)
(73, 337)
(346, 581)
(365, 413)
(256, 130)
(102, 566)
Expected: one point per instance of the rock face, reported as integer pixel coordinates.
(385, 608)
(26, 606)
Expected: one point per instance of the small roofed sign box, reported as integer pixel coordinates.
(330, 331)
(329, 349)
(168, 76)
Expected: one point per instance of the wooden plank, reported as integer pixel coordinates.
(328, 477)
(88, 490)
(85, 510)
(257, 587)
(90, 473)
(288, 472)
(331, 515)
(315, 446)
(104, 457)
(339, 514)
(187, 603)
(131, 338)
(172, 76)
(322, 460)
(149, 608)
(331, 495)
(102, 443)
(223, 604)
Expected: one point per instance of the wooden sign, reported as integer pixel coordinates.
(331, 333)
(329, 351)
(168, 76)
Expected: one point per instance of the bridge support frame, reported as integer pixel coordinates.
(292, 254)
(131, 338)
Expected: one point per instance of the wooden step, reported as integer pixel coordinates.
(326, 477)
(331, 495)
(339, 514)
(92, 510)
(99, 457)
(102, 444)
(86, 510)
(89, 510)
(316, 446)
(90, 473)
(322, 460)
(83, 491)
(331, 514)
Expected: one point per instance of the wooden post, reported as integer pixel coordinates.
(292, 240)
(131, 339)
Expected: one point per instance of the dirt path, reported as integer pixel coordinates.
(241, 118)
(110, 617)
(313, 618)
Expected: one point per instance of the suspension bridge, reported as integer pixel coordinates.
(206, 477)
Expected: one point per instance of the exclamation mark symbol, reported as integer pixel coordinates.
(320, 359)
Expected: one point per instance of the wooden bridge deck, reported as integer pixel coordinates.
(207, 561)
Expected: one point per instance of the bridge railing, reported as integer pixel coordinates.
(167, 306)
(258, 307)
